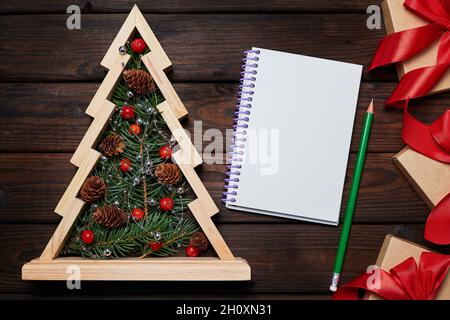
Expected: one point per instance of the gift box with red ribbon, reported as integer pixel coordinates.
(428, 35)
(429, 177)
(423, 33)
(403, 271)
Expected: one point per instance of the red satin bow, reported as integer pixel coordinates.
(406, 281)
(401, 46)
(432, 141)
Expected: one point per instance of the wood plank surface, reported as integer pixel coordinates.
(49, 117)
(285, 258)
(167, 296)
(32, 184)
(50, 74)
(43, 49)
(183, 6)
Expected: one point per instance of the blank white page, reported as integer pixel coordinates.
(311, 103)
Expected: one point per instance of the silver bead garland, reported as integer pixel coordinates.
(107, 252)
(152, 201)
(180, 190)
(122, 50)
(136, 181)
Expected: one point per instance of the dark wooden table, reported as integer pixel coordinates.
(49, 74)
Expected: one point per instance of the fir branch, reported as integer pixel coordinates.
(133, 238)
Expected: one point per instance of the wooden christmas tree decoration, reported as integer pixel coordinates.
(49, 266)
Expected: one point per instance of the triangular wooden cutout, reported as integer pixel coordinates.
(51, 267)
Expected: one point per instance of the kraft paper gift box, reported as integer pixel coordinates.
(398, 18)
(429, 177)
(395, 251)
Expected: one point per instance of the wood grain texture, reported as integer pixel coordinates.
(137, 269)
(284, 258)
(203, 208)
(194, 43)
(32, 184)
(70, 193)
(93, 134)
(49, 117)
(182, 6)
(136, 22)
(151, 61)
(116, 295)
(58, 71)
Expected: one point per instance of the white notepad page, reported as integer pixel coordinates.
(309, 104)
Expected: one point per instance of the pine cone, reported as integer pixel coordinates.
(139, 81)
(92, 189)
(112, 145)
(110, 216)
(168, 173)
(199, 241)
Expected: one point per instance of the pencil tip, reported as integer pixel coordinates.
(370, 109)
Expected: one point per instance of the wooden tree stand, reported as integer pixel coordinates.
(51, 267)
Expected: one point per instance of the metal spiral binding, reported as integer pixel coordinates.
(243, 106)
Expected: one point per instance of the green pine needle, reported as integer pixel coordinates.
(173, 229)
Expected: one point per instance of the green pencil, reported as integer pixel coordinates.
(346, 226)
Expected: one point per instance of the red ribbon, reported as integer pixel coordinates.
(434, 140)
(406, 281)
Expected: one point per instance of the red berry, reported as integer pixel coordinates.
(127, 112)
(137, 214)
(165, 152)
(166, 204)
(155, 246)
(192, 252)
(135, 129)
(138, 45)
(125, 164)
(87, 236)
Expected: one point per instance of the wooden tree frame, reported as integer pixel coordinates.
(51, 267)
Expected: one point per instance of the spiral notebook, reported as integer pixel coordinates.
(292, 135)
